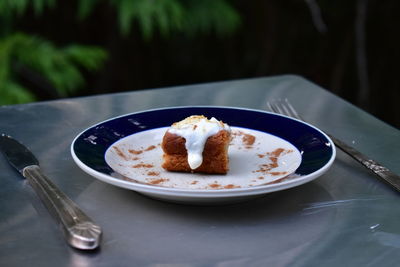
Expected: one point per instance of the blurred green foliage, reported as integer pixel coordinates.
(61, 67)
(168, 16)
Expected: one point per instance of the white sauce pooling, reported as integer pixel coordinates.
(196, 130)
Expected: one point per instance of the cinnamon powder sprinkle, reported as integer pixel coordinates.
(135, 152)
(143, 165)
(279, 152)
(153, 173)
(248, 140)
(120, 153)
(150, 148)
(231, 186)
(277, 181)
(194, 182)
(273, 157)
(277, 173)
(158, 181)
(215, 185)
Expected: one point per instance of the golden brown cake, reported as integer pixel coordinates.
(197, 144)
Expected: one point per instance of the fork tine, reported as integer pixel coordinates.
(292, 110)
(287, 111)
(271, 106)
(284, 107)
(277, 108)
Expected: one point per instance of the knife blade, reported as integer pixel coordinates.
(79, 230)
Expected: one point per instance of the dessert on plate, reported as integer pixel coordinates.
(197, 144)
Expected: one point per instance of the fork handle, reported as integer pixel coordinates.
(383, 172)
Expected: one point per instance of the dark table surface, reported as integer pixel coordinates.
(347, 217)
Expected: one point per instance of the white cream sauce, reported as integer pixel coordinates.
(196, 130)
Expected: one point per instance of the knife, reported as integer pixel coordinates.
(79, 230)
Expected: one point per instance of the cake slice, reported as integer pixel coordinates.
(197, 144)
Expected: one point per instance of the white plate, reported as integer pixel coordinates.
(103, 151)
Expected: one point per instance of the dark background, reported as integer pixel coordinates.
(350, 48)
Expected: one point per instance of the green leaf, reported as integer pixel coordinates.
(40, 5)
(89, 57)
(85, 7)
(13, 93)
(169, 17)
(19, 7)
(126, 12)
(151, 15)
(16, 6)
(60, 66)
(211, 15)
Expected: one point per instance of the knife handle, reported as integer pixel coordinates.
(384, 173)
(79, 230)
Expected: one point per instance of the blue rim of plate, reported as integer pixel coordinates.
(317, 149)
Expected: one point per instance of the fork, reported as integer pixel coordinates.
(285, 108)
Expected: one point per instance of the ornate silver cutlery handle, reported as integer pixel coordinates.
(80, 231)
(383, 172)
